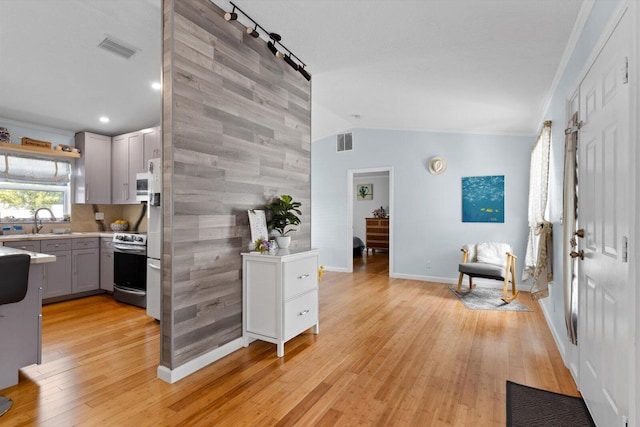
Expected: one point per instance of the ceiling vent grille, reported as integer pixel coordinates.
(118, 47)
(345, 142)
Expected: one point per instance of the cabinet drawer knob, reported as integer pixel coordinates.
(302, 313)
(304, 276)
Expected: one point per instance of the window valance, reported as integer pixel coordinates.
(17, 168)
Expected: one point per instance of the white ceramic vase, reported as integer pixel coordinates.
(283, 242)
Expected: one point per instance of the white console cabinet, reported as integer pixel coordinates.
(280, 295)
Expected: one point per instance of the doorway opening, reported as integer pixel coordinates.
(370, 198)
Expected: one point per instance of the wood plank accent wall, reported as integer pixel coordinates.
(237, 133)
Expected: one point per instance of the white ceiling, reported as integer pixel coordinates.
(483, 66)
(54, 75)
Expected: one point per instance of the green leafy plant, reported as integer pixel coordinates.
(284, 211)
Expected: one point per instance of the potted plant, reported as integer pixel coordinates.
(284, 211)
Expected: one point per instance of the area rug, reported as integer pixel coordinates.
(530, 407)
(488, 299)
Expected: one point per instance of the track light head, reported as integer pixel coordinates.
(272, 48)
(231, 16)
(253, 32)
(291, 62)
(304, 73)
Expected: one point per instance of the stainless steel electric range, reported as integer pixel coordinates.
(130, 268)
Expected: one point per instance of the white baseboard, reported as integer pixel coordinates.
(560, 344)
(481, 283)
(336, 269)
(173, 375)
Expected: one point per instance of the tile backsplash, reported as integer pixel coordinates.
(83, 219)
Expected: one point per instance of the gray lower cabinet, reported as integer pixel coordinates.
(86, 264)
(106, 264)
(57, 275)
(77, 266)
(21, 330)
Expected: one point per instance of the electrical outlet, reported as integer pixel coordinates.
(429, 263)
(99, 216)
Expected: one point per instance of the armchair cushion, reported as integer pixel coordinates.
(480, 269)
(492, 253)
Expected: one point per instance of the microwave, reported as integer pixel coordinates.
(142, 187)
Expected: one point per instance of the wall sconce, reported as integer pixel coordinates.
(437, 165)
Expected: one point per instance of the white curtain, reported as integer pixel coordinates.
(538, 259)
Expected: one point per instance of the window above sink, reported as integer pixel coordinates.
(27, 184)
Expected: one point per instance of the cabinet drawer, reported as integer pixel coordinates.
(106, 244)
(300, 314)
(85, 243)
(300, 276)
(55, 245)
(26, 245)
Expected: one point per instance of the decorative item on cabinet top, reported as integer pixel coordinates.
(284, 214)
(38, 151)
(5, 135)
(380, 213)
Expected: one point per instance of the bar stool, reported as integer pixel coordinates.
(14, 277)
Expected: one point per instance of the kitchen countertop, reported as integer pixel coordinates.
(36, 257)
(47, 236)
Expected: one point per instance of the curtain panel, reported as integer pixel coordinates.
(570, 209)
(538, 259)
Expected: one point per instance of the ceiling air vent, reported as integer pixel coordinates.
(345, 142)
(118, 47)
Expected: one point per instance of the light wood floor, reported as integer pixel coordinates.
(373, 263)
(389, 352)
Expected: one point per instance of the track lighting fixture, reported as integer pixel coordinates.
(231, 16)
(304, 73)
(273, 48)
(271, 44)
(253, 32)
(291, 62)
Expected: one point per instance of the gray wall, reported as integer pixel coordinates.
(427, 213)
(236, 128)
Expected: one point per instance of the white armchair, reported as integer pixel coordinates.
(489, 260)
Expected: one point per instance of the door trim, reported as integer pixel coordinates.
(350, 174)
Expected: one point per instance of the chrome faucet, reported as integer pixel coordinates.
(36, 227)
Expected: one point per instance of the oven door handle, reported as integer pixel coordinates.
(130, 291)
(129, 249)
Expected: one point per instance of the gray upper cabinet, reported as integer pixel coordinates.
(93, 169)
(151, 141)
(128, 160)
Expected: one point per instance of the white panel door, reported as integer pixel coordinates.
(603, 213)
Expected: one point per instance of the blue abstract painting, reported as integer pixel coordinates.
(483, 199)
